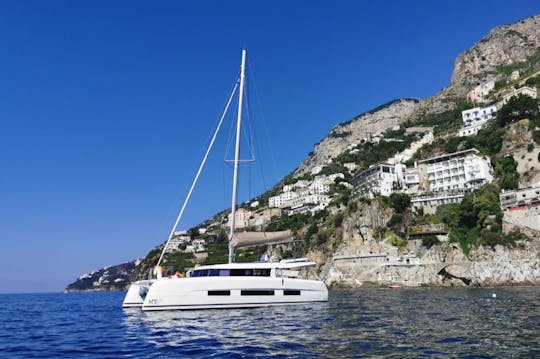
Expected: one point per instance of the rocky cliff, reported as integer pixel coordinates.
(353, 132)
(510, 45)
(359, 252)
(505, 48)
(364, 260)
(106, 279)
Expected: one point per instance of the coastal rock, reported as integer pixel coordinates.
(504, 45)
(351, 133)
(362, 257)
(106, 279)
(443, 265)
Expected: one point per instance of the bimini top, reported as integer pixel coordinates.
(282, 264)
(252, 239)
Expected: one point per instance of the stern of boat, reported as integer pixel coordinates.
(136, 294)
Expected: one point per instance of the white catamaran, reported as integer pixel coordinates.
(230, 285)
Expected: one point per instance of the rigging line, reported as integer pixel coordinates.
(250, 128)
(247, 129)
(265, 127)
(230, 138)
(260, 165)
(231, 125)
(249, 183)
(195, 180)
(251, 138)
(170, 213)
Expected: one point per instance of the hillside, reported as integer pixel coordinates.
(106, 279)
(360, 236)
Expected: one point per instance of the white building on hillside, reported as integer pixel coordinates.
(309, 203)
(444, 179)
(179, 238)
(382, 178)
(314, 199)
(282, 200)
(319, 188)
(520, 198)
(458, 170)
(475, 118)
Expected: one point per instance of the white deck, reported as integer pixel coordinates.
(231, 292)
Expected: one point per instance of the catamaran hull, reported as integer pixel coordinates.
(136, 293)
(231, 292)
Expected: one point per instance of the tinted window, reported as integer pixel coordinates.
(257, 292)
(291, 292)
(224, 272)
(200, 273)
(261, 272)
(219, 292)
(241, 272)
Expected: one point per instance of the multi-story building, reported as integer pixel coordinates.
(475, 118)
(382, 178)
(309, 203)
(178, 238)
(519, 198)
(242, 218)
(444, 179)
(431, 200)
(319, 188)
(314, 199)
(282, 200)
(459, 170)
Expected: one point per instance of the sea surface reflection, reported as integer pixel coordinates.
(369, 322)
(395, 323)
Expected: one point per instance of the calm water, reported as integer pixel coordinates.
(354, 323)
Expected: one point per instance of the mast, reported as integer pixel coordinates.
(237, 155)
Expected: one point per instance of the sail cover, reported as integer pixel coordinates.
(251, 239)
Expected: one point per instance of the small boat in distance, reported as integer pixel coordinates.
(230, 285)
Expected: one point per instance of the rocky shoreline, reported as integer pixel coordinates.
(485, 267)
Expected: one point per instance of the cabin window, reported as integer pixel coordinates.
(257, 292)
(219, 292)
(291, 292)
(200, 273)
(261, 272)
(219, 273)
(224, 273)
(241, 272)
(264, 272)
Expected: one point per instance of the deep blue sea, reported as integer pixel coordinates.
(395, 323)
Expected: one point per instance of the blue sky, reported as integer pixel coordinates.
(106, 106)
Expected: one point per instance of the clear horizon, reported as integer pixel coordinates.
(106, 107)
